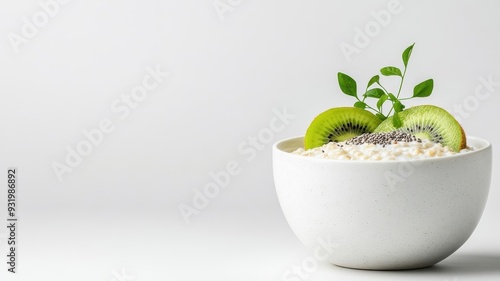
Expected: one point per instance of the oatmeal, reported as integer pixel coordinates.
(380, 146)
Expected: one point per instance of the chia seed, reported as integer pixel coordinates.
(382, 138)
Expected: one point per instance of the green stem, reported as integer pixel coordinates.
(367, 105)
(387, 92)
(399, 91)
(401, 84)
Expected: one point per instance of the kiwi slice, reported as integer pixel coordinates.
(429, 122)
(339, 124)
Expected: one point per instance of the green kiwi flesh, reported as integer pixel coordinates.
(339, 124)
(428, 122)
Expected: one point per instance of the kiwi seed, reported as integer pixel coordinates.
(429, 122)
(339, 124)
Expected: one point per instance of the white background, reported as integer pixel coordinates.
(117, 211)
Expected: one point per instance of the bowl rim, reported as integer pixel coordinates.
(484, 145)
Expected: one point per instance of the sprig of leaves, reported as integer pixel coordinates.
(375, 90)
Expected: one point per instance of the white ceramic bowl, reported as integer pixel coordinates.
(383, 215)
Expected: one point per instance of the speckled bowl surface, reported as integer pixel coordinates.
(383, 215)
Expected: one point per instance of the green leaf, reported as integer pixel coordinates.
(391, 71)
(360, 104)
(398, 106)
(381, 116)
(373, 80)
(396, 121)
(347, 84)
(381, 101)
(393, 97)
(423, 89)
(375, 93)
(407, 54)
